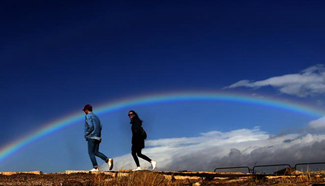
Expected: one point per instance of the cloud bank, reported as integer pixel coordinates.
(243, 147)
(308, 82)
(318, 124)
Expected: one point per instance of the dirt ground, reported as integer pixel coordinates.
(152, 178)
(47, 179)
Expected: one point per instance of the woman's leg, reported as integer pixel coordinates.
(143, 156)
(135, 157)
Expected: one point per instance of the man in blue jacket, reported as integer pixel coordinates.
(93, 129)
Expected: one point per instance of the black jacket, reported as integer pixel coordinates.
(137, 139)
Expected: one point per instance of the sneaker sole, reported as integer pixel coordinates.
(111, 163)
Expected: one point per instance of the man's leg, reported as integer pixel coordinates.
(97, 153)
(91, 150)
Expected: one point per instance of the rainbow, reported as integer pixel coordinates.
(110, 107)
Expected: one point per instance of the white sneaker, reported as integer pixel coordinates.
(137, 169)
(110, 164)
(94, 170)
(153, 164)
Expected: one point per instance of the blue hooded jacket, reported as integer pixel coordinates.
(93, 127)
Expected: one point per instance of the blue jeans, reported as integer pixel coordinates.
(93, 150)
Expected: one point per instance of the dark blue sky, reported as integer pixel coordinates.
(57, 56)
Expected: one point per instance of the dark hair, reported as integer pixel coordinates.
(88, 107)
(136, 116)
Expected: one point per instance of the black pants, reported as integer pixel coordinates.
(137, 152)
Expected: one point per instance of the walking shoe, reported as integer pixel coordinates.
(110, 164)
(94, 169)
(153, 164)
(137, 169)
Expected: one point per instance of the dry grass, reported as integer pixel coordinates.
(147, 178)
(139, 178)
(153, 179)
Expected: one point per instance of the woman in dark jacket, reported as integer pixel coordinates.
(138, 140)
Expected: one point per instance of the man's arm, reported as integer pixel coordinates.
(89, 127)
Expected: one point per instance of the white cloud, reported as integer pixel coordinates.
(235, 148)
(318, 124)
(308, 82)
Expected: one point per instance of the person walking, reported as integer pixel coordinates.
(138, 140)
(93, 128)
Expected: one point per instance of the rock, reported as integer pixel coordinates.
(197, 184)
(77, 172)
(287, 171)
(14, 173)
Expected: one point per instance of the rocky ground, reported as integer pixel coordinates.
(128, 178)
